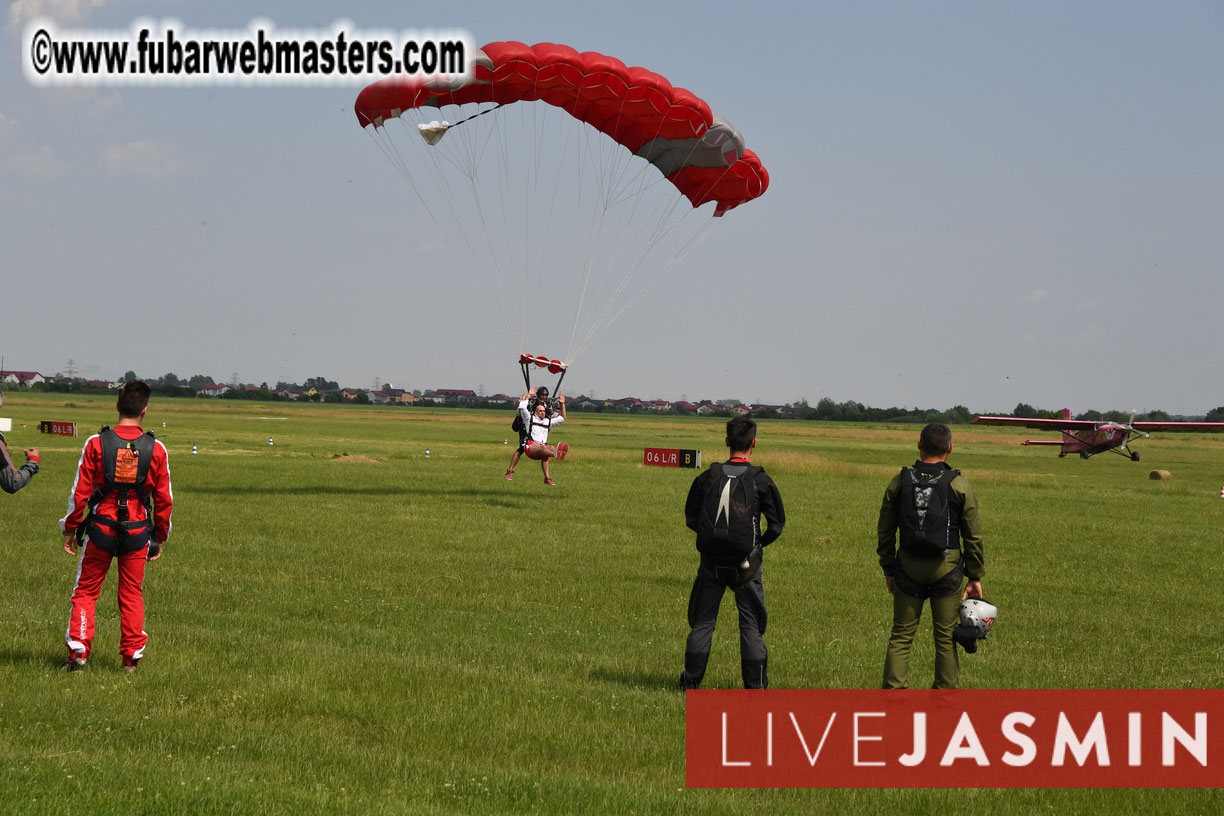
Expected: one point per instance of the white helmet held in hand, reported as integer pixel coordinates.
(976, 618)
(979, 615)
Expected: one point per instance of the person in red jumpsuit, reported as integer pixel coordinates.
(125, 524)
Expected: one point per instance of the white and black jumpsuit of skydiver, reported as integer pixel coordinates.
(708, 588)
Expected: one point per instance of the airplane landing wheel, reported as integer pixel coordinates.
(1083, 455)
(1061, 454)
(1134, 456)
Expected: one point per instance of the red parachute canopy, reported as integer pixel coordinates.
(702, 154)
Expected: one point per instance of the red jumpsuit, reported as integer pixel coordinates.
(95, 561)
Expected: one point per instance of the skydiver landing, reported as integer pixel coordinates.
(538, 417)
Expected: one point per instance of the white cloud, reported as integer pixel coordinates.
(1092, 335)
(39, 164)
(1086, 306)
(64, 12)
(104, 104)
(1037, 296)
(142, 159)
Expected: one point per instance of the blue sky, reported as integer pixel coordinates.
(975, 204)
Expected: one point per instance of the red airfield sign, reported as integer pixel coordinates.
(671, 457)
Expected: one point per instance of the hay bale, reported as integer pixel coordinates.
(1161, 475)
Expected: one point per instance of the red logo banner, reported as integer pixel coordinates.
(1061, 738)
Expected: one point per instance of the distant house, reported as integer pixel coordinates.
(658, 405)
(213, 390)
(707, 408)
(289, 393)
(684, 405)
(741, 410)
(26, 378)
(624, 404)
(393, 396)
(464, 395)
(349, 394)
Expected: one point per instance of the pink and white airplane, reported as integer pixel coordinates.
(1086, 437)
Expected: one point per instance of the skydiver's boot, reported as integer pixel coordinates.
(755, 676)
(694, 669)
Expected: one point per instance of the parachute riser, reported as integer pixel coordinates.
(526, 367)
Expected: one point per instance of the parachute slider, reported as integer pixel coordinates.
(553, 366)
(433, 132)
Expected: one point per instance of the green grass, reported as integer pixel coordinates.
(340, 625)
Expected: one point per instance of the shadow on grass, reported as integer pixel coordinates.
(638, 679)
(494, 496)
(51, 657)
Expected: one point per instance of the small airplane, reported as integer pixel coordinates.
(1086, 437)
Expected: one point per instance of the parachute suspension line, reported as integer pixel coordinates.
(493, 253)
(606, 168)
(511, 290)
(663, 226)
(642, 184)
(617, 169)
(531, 184)
(618, 187)
(596, 232)
(535, 250)
(566, 133)
(613, 188)
(387, 145)
(609, 317)
(442, 182)
(473, 146)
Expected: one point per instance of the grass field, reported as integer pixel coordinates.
(342, 625)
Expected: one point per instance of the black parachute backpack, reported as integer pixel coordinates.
(125, 466)
(924, 510)
(727, 526)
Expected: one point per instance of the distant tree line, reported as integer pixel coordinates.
(1027, 411)
(826, 410)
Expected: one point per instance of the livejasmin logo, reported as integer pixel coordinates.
(931, 739)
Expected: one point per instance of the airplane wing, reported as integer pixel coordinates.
(1186, 427)
(1041, 424)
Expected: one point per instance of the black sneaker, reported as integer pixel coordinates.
(75, 662)
(129, 663)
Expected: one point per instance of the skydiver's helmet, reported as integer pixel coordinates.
(977, 616)
(541, 396)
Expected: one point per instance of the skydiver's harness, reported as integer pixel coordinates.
(524, 431)
(125, 466)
